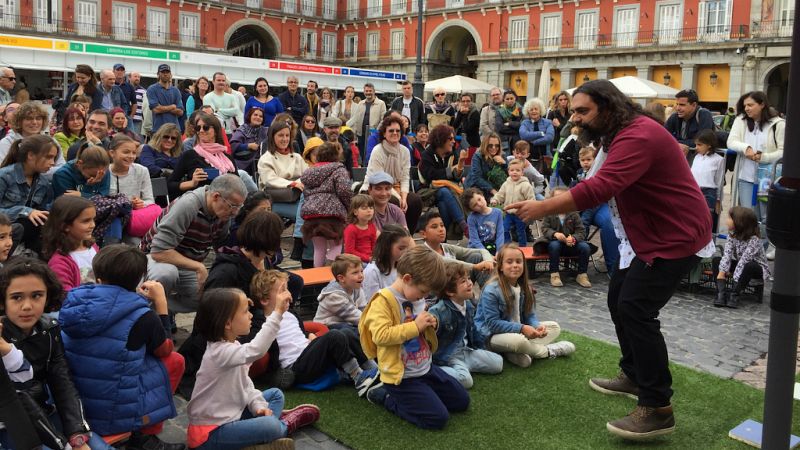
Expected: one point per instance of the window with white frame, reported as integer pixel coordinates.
(289, 6)
(669, 23)
(86, 18)
(586, 29)
(415, 5)
(308, 43)
(455, 3)
(373, 43)
(351, 46)
(399, 7)
(517, 34)
(551, 32)
(352, 9)
(190, 29)
(626, 26)
(254, 4)
(123, 21)
(328, 46)
(46, 16)
(714, 20)
(329, 9)
(8, 13)
(308, 7)
(158, 25)
(374, 8)
(785, 17)
(398, 44)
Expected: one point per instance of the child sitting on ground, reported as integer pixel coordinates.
(119, 348)
(68, 243)
(743, 256)
(478, 262)
(341, 301)
(564, 235)
(485, 224)
(33, 354)
(457, 354)
(226, 410)
(307, 358)
(522, 150)
(506, 318)
(360, 234)
(515, 189)
(397, 330)
(390, 246)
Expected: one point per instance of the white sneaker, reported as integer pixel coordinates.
(771, 253)
(561, 348)
(519, 359)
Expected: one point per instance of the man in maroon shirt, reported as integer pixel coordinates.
(664, 218)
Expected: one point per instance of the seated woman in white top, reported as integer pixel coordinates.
(279, 169)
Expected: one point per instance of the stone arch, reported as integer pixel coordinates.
(436, 35)
(776, 84)
(268, 40)
(767, 72)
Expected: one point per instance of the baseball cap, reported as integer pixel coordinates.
(164, 68)
(119, 66)
(380, 178)
(331, 122)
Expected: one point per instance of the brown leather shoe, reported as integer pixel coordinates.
(621, 385)
(644, 422)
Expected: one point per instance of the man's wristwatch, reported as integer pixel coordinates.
(79, 440)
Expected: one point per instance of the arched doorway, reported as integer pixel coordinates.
(449, 48)
(252, 40)
(778, 87)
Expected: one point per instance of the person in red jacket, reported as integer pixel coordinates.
(663, 228)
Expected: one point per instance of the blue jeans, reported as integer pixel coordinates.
(96, 442)
(286, 210)
(448, 207)
(557, 249)
(513, 219)
(600, 216)
(250, 430)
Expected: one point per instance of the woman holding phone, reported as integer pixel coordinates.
(207, 160)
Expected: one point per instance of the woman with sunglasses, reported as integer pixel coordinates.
(393, 157)
(439, 107)
(207, 160)
(488, 168)
(160, 155)
(308, 129)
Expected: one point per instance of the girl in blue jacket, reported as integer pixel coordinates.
(506, 321)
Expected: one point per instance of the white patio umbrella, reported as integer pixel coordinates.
(459, 84)
(544, 83)
(635, 87)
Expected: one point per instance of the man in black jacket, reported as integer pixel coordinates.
(409, 106)
(688, 120)
(293, 101)
(330, 133)
(467, 122)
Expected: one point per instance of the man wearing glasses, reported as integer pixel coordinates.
(7, 82)
(184, 234)
(293, 101)
(489, 112)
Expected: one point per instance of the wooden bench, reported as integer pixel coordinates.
(314, 280)
(540, 262)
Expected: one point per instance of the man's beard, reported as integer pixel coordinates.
(589, 135)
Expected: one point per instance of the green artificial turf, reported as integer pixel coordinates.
(547, 406)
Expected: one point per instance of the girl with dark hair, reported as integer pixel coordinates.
(72, 129)
(263, 100)
(280, 168)
(25, 195)
(392, 243)
(708, 169)
(743, 256)
(86, 84)
(440, 163)
(68, 244)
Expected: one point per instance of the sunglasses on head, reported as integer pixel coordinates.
(204, 127)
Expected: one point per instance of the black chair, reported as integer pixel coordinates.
(160, 189)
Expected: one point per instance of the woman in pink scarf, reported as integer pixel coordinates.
(206, 161)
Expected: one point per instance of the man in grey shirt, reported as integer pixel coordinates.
(181, 238)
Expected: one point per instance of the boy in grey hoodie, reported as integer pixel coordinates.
(341, 301)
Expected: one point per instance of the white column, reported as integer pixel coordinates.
(645, 72)
(567, 79)
(533, 78)
(735, 89)
(687, 77)
(603, 73)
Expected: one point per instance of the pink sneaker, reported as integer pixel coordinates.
(299, 416)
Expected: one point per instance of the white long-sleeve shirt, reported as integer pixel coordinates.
(709, 172)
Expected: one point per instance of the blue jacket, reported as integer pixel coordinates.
(14, 191)
(97, 98)
(296, 105)
(542, 137)
(453, 328)
(478, 173)
(155, 161)
(491, 318)
(69, 178)
(118, 98)
(122, 390)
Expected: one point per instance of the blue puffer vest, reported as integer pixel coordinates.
(122, 390)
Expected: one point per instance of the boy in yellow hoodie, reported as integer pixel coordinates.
(397, 330)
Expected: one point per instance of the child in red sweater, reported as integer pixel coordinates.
(360, 235)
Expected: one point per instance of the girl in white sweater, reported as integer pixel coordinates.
(226, 410)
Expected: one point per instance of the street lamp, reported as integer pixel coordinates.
(586, 78)
(713, 78)
(667, 79)
(419, 85)
(518, 80)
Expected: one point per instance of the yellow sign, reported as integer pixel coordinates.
(31, 42)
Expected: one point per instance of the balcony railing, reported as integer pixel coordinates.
(125, 35)
(644, 38)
